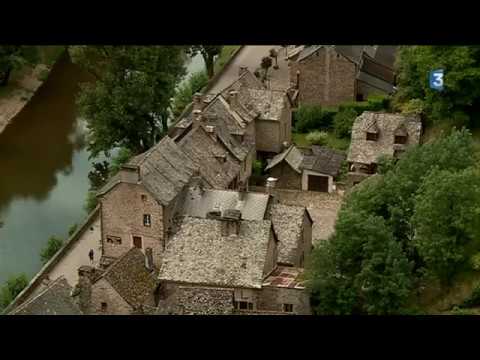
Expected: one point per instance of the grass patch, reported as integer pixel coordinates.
(224, 56)
(332, 141)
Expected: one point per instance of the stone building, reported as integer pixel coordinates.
(312, 169)
(138, 204)
(328, 75)
(124, 288)
(55, 299)
(225, 260)
(377, 134)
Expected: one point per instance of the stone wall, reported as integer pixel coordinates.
(326, 78)
(272, 253)
(122, 211)
(267, 136)
(287, 177)
(307, 238)
(272, 298)
(103, 292)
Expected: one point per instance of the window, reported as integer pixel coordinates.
(242, 305)
(400, 139)
(147, 220)
(137, 242)
(372, 136)
(359, 97)
(104, 306)
(143, 197)
(288, 307)
(250, 306)
(114, 239)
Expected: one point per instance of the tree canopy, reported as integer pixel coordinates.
(208, 53)
(14, 57)
(128, 104)
(12, 287)
(420, 216)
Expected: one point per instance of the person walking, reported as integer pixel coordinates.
(90, 255)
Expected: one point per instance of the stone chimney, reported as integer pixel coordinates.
(231, 222)
(86, 276)
(242, 69)
(149, 259)
(233, 98)
(211, 130)
(297, 85)
(197, 118)
(198, 103)
(270, 185)
(214, 215)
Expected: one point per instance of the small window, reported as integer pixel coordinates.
(288, 307)
(236, 305)
(143, 197)
(250, 306)
(372, 136)
(104, 307)
(137, 242)
(114, 239)
(400, 139)
(147, 220)
(243, 305)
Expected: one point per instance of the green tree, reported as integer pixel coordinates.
(99, 175)
(447, 220)
(53, 245)
(13, 286)
(184, 93)
(128, 105)
(343, 122)
(208, 53)
(72, 229)
(14, 57)
(460, 98)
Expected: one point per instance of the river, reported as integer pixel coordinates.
(43, 170)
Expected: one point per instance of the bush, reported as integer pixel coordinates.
(312, 117)
(414, 107)
(385, 163)
(475, 261)
(72, 229)
(54, 244)
(257, 168)
(374, 103)
(343, 122)
(474, 298)
(184, 93)
(317, 138)
(13, 286)
(90, 202)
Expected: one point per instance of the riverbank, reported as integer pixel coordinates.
(24, 84)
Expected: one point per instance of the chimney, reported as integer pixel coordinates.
(83, 289)
(214, 215)
(271, 181)
(298, 79)
(242, 190)
(233, 98)
(210, 129)
(198, 101)
(197, 118)
(231, 222)
(149, 259)
(242, 69)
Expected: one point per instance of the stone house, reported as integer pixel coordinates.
(124, 288)
(376, 134)
(328, 75)
(55, 299)
(138, 205)
(225, 260)
(309, 169)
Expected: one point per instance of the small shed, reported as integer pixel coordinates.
(311, 169)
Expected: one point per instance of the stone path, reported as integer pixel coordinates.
(251, 56)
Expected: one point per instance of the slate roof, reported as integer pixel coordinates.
(164, 170)
(130, 278)
(204, 151)
(367, 151)
(54, 300)
(351, 52)
(288, 224)
(199, 254)
(246, 79)
(268, 104)
(375, 82)
(316, 158)
(253, 206)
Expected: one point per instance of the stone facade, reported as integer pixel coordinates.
(122, 211)
(103, 293)
(272, 298)
(326, 78)
(287, 177)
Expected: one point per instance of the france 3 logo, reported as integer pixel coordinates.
(436, 79)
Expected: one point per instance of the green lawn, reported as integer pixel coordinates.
(226, 53)
(332, 141)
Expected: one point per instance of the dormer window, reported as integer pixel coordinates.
(400, 135)
(372, 136)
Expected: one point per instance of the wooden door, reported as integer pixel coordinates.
(137, 242)
(318, 183)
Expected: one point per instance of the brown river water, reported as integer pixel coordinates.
(43, 170)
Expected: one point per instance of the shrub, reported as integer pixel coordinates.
(414, 106)
(72, 229)
(317, 138)
(13, 286)
(257, 168)
(475, 261)
(312, 117)
(474, 298)
(374, 103)
(343, 122)
(54, 244)
(90, 202)
(385, 163)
